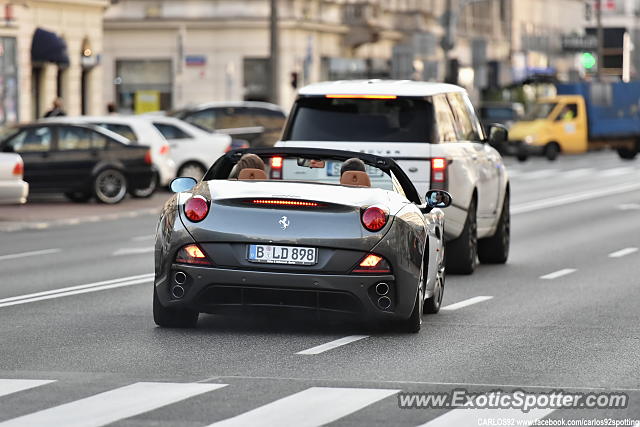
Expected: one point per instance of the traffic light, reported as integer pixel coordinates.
(588, 60)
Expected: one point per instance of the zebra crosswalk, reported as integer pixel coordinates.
(310, 407)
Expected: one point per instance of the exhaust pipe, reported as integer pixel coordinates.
(177, 291)
(180, 278)
(382, 289)
(384, 303)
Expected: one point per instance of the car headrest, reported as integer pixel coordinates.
(249, 174)
(357, 178)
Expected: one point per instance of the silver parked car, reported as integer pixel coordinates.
(356, 242)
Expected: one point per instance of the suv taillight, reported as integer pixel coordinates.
(147, 157)
(276, 168)
(439, 173)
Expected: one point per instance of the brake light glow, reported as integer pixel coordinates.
(372, 263)
(276, 168)
(164, 150)
(18, 169)
(285, 202)
(192, 254)
(438, 170)
(196, 208)
(374, 218)
(147, 157)
(345, 96)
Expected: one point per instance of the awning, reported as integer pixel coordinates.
(48, 47)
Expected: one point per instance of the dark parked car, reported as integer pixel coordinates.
(259, 123)
(81, 161)
(504, 113)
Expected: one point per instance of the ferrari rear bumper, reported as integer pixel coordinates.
(220, 290)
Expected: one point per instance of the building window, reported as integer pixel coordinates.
(144, 85)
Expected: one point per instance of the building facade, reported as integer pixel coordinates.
(164, 54)
(50, 49)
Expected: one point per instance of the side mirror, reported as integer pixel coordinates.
(178, 185)
(498, 134)
(438, 199)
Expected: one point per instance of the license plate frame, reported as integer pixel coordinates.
(253, 255)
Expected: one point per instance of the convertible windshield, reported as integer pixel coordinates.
(316, 170)
(355, 119)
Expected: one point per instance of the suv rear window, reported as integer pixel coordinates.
(353, 119)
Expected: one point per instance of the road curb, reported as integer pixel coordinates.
(12, 226)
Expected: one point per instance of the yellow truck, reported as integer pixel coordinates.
(582, 117)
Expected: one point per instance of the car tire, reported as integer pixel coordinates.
(171, 318)
(414, 322)
(522, 157)
(145, 193)
(552, 151)
(78, 196)
(495, 249)
(432, 305)
(626, 154)
(193, 170)
(110, 186)
(462, 253)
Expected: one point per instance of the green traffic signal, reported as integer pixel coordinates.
(588, 60)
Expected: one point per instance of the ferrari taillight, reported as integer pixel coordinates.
(18, 169)
(374, 218)
(192, 254)
(196, 208)
(372, 263)
(276, 168)
(439, 173)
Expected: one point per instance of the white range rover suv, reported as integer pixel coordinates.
(433, 132)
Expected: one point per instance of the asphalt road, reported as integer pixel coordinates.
(79, 346)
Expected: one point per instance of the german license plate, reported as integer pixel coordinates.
(333, 169)
(295, 255)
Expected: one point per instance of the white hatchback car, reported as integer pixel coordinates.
(140, 132)
(192, 149)
(433, 132)
(13, 189)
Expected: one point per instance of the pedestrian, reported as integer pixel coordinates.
(57, 109)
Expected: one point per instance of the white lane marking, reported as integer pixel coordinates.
(623, 252)
(132, 251)
(10, 386)
(629, 207)
(466, 303)
(571, 198)
(543, 173)
(559, 273)
(333, 344)
(575, 173)
(472, 416)
(617, 171)
(312, 407)
(142, 238)
(31, 253)
(75, 290)
(114, 405)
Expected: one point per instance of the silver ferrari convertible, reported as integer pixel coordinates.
(300, 229)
